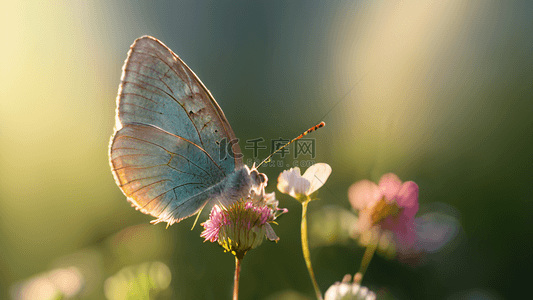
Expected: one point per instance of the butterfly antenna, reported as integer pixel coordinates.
(197, 217)
(319, 125)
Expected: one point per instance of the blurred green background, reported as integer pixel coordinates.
(437, 92)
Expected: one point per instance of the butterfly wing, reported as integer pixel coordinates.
(165, 153)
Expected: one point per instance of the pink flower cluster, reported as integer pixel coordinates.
(389, 205)
(243, 225)
(239, 215)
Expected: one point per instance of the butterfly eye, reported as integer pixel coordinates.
(263, 178)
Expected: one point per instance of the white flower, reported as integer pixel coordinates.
(347, 290)
(298, 186)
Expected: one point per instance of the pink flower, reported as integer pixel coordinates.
(243, 225)
(390, 205)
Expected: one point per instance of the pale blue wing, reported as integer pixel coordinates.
(165, 153)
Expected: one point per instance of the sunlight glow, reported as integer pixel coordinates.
(409, 50)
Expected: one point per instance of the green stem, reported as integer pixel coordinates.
(236, 278)
(367, 257)
(305, 249)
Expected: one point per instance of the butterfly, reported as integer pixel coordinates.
(173, 150)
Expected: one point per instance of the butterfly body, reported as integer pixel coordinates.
(166, 154)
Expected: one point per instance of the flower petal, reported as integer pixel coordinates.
(405, 234)
(292, 183)
(408, 198)
(270, 234)
(317, 175)
(363, 193)
(285, 178)
(389, 185)
(364, 221)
